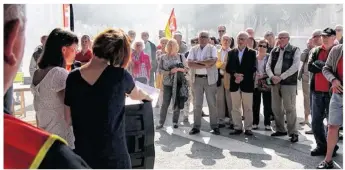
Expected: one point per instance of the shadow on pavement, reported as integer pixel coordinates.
(256, 159)
(167, 144)
(208, 154)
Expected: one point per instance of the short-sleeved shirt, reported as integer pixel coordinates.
(84, 57)
(98, 118)
(203, 54)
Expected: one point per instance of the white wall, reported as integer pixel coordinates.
(41, 19)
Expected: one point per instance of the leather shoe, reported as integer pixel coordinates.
(248, 133)
(215, 131)
(236, 132)
(279, 134)
(194, 131)
(294, 138)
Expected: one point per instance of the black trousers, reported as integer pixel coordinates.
(267, 102)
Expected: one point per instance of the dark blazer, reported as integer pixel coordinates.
(247, 68)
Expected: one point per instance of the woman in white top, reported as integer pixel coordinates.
(49, 82)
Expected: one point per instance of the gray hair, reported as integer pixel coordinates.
(225, 35)
(13, 12)
(338, 26)
(249, 28)
(222, 26)
(135, 42)
(204, 32)
(317, 32)
(145, 32)
(243, 33)
(284, 33)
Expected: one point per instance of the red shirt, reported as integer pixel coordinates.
(340, 68)
(84, 58)
(321, 83)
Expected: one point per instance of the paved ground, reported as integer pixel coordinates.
(176, 149)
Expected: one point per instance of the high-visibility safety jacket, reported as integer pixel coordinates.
(25, 146)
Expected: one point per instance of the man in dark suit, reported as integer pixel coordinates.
(241, 66)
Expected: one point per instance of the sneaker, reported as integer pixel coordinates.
(268, 128)
(255, 127)
(326, 165)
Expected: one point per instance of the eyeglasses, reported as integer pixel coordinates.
(262, 46)
(221, 30)
(242, 39)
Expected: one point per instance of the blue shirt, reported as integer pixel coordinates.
(240, 54)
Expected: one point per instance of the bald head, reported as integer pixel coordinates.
(250, 32)
(14, 41)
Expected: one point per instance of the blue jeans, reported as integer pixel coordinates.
(320, 106)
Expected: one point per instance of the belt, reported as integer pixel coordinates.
(201, 75)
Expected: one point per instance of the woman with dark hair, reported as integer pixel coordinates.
(232, 44)
(95, 102)
(49, 82)
(214, 41)
(252, 43)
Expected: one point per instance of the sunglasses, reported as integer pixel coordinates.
(262, 46)
(203, 36)
(338, 30)
(221, 30)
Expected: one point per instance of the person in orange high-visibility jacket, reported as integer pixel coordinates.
(26, 146)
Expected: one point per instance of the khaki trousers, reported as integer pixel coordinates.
(242, 100)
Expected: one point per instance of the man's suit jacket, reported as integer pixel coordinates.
(247, 68)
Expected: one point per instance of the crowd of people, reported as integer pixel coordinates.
(70, 86)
